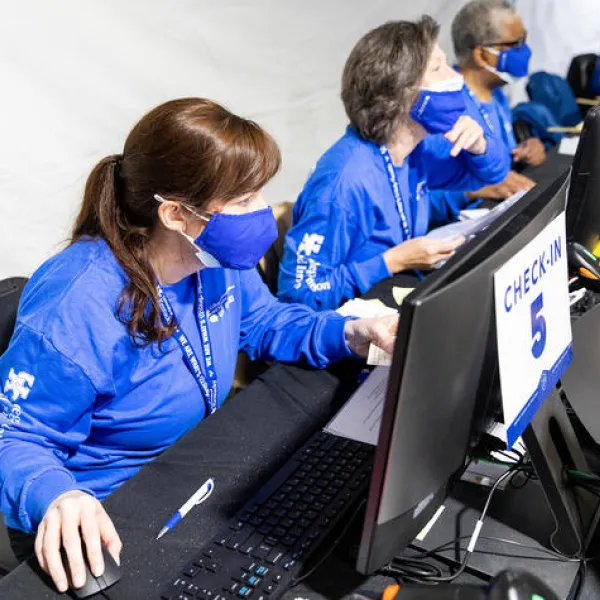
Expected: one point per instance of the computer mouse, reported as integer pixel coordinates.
(519, 585)
(94, 585)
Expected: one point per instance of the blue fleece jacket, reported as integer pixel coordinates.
(446, 203)
(84, 408)
(346, 215)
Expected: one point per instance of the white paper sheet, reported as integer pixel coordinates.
(360, 418)
(568, 145)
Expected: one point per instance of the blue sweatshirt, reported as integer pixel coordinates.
(346, 216)
(446, 204)
(84, 408)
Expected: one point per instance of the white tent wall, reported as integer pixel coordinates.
(557, 31)
(77, 75)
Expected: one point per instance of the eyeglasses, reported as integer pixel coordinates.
(512, 44)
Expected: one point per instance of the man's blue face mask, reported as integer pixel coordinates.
(439, 106)
(512, 62)
(234, 241)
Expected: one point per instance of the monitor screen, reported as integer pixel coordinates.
(583, 211)
(442, 379)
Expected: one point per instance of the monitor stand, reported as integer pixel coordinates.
(553, 447)
(523, 525)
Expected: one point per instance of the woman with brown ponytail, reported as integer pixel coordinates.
(126, 339)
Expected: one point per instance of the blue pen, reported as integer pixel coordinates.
(197, 498)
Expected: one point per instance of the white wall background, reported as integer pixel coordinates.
(75, 76)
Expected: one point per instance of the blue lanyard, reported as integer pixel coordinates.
(485, 115)
(208, 384)
(391, 172)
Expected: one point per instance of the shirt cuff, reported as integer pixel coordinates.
(334, 338)
(368, 273)
(40, 493)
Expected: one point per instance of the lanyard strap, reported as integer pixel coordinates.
(391, 172)
(483, 111)
(208, 383)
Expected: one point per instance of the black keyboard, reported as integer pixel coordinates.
(266, 545)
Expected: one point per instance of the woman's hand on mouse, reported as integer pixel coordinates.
(71, 518)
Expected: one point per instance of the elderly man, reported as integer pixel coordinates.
(490, 45)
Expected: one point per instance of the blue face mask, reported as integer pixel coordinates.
(237, 241)
(513, 62)
(438, 107)
(234, 241)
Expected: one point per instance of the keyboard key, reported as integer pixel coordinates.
(248, 546)
(249, 566)
(232, 587)
(270, 541)
(279, 532)
(223, 538)
(253, 580)
(311, 515)
(261, 551)
(245, 592)
(280, 512)
(209, 552)
(274, 557)
(236, 525)
(263, 512)
(213, 566)
(192, 571)
(261, 571)
(288, 565)
(269, 589)
(236, 540)
(287, 523)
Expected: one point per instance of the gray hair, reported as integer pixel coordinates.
(478, 22)
(383, 73)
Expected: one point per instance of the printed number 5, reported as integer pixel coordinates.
(538, 327)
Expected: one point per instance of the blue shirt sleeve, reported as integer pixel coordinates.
(445, 206)
(45, 413)
(466, 172)
(316, 269)
(273, 330)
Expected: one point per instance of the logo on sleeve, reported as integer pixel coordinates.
(18, 384)
(311, 244)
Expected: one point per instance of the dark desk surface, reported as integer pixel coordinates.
(240, 446)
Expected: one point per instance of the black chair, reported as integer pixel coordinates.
(579, 76)
(10, 293)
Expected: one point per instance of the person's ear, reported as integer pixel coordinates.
(172, 215)
(482, 57)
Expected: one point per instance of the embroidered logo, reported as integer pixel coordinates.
(18, 384)
(217, 311)
(311, 244)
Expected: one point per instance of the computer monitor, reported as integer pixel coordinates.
(442, 379)
(583, 209)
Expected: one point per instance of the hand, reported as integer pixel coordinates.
(61, 527)
(420, 253)
(531, 151)
(361, 333)
(467, 135)
(513, 183)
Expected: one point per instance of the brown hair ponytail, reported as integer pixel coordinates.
(192, 149)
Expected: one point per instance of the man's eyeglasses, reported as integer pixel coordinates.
(512, 44)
